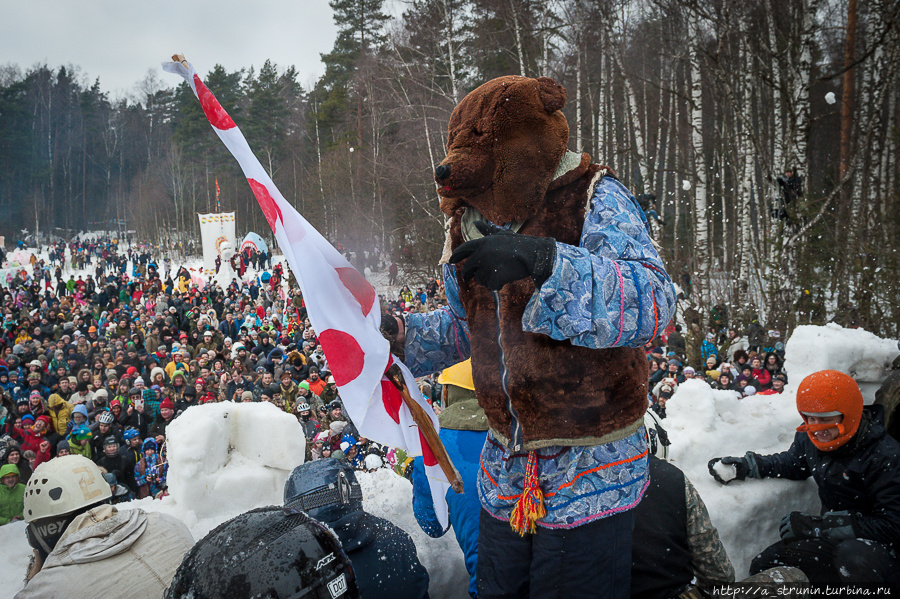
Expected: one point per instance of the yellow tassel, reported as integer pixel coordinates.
(530, 505)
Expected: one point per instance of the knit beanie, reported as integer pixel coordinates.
(830, 393)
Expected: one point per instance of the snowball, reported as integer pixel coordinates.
(686, 185)
(726, 472)
(829, 97)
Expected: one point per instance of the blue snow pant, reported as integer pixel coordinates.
(592, 560)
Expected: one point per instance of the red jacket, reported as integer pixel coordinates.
(763, 376)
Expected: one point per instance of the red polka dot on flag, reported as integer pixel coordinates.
(357, 284)
(427, 454)
(347, 357)
(266, 202)
(211, 107)
(392, 399)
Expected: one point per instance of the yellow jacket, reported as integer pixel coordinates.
(60, 411)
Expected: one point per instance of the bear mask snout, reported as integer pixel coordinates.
(442, 171)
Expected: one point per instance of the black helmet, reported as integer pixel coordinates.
(326, 489)
(269, 552)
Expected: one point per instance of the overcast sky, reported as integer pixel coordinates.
(119, 40)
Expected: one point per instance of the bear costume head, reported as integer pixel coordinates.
(506, 142)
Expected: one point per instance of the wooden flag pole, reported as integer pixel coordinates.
(427, 428)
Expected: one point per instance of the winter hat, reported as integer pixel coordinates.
(830, 393)
(347, 442)
(689, 370)
(246, 395)
(79, 433)
(149, 443)
(115, 403)
(27, 418)
(167, 403)
(155, 371)
(101, 394)
(62, 445)
(139, 382)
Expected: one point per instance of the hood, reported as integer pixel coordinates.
(464, 415)
(8, 469)
(56, 400)
(98, 534)
(355, 530)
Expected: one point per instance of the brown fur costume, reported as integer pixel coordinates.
(506, 140)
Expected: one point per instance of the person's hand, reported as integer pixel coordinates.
(798, 526)
(45, 446)
(159, 440)
(741, 466)
(130, 410)
(501, 257)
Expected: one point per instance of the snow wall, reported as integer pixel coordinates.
(228, 458)
(859, 353)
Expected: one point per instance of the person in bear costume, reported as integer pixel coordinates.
(553, 286)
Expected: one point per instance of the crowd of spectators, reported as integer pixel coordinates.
(100, 364)
(748, 361)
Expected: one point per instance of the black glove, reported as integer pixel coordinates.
(741, 466)
(798, 526)
(501, 257)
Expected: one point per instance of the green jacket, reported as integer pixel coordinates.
(77, 448)
(12, 500)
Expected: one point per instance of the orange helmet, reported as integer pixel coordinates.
(830, 393)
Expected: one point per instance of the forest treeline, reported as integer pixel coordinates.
(700, 105)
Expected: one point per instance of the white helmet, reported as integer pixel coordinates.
(657, 437)
(105, 418)
(62, 486)
(373, 462)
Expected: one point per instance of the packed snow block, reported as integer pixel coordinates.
(239, 454)
(15, 557)
(857, 352)
(389, 496)
(705, 424)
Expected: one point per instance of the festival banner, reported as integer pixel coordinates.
(342, 307)
(215, 229)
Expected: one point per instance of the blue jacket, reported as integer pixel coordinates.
(464, 449)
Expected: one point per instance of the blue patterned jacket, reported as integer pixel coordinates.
(610, 291)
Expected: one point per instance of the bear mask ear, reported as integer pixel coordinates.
(553, 95)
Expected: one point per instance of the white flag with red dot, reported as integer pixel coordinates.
(342, 306)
